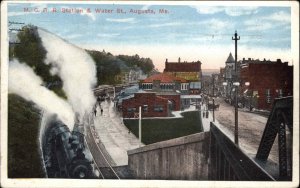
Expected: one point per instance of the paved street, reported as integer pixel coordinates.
(113, 134)
(251, 127)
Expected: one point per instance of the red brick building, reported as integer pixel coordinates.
(267, 80)
(190, 71)
(151, 104)
(168, 87)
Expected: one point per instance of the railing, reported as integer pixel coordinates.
(281, 116)
(228, 162)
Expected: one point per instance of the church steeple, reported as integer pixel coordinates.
(230, 59)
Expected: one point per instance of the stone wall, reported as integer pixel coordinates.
(184, 158)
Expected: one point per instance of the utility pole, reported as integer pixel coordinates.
(236, 129)
(140, 124)
(213, 77)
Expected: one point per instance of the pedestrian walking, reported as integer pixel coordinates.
(95, 111)
(99, 101)
(101, 111)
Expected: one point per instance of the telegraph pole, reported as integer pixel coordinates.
(213, 77)
(140, 125)
(236, 129)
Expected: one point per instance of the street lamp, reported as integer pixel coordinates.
(236, 83)
(236, 138)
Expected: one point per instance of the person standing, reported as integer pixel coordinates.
(101, 111)
(95, 111)
(99, 101)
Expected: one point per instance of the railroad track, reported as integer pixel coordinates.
(102, 159)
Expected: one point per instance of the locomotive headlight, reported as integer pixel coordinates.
(82, 175)
(80, 171)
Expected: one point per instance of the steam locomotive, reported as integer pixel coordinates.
(64, 152)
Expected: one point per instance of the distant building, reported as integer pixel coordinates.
(229, 73)
(165, 83)
(206, 84)
(229, 67)
(190, 71)
(125, 93)
(221, 81)
(151, 104)
(266, 81)
(216, 82)
(130, 75)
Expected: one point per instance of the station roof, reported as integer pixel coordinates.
(164, 78)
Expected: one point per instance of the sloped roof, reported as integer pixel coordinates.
(164, 78)
(230, 59)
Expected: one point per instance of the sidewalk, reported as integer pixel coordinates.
(114, 134)
(205, 121)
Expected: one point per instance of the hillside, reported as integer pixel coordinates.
(24, 159)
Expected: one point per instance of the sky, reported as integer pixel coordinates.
(192, 32)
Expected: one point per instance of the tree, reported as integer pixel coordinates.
(145, 64)
(106, 65)
(30, 50)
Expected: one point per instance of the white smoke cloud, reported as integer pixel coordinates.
(75, 67)
(25, 83)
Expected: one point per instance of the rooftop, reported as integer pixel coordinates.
(230, 59)
(163, 78)
(182, 66)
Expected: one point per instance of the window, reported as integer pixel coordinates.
(131, 109)
(268, 95)
(280, 93)
(145, 108)
(158, 108)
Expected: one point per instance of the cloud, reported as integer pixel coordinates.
(278, 19)
(257, 25)
(231, 11)
(122, 20)
(108, 35)
(90, 15)
(166, 24)
(20, 13)
(280, 16)
(238, 11)
(208, 9)
(215, 24)
(145, 7)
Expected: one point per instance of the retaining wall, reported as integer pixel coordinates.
(184, 158)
